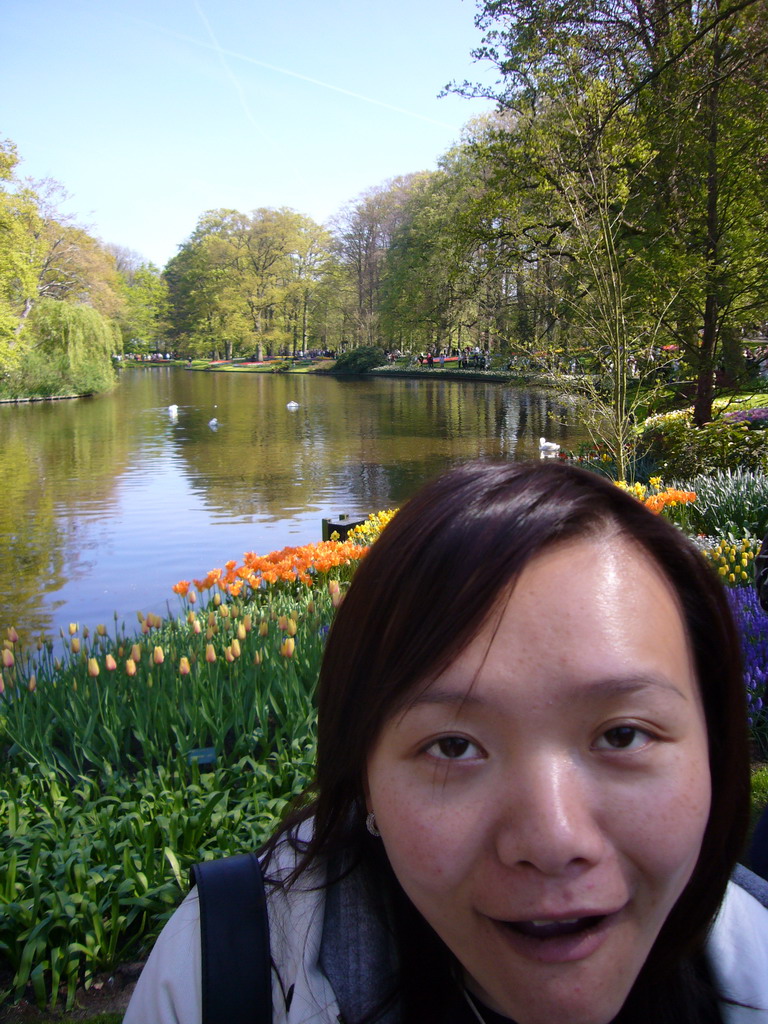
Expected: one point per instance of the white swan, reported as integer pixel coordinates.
(173, 412)
(548, 446)
(213, 424)
(292, 405)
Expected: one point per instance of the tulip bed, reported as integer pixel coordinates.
(130, 757)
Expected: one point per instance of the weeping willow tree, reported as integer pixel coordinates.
(69, 351)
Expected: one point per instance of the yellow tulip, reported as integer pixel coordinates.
(72, 628)
(101, 630)
(236, 647)
(8, 660)
(196, 627)
(157, 656)
(184, 668)
(93, 668)
(241, 633)
(247, 624)
(282, 623)
(13, 636)
(192, 597)
(263, 628)
(287, 647)
(32, 684)
(210, 653)
(224, 612)
(110, 663)
(290, 627)
(136, 653)
(130, 667)
(74, 645)
(216, 599)
(257, 658)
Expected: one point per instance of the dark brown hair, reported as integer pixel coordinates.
(427, 585)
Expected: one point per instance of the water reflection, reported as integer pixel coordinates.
(106, 502)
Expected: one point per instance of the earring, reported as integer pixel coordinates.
(370, 824)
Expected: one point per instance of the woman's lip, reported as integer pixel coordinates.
(558, 948)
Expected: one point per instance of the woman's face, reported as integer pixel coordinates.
(543, 801)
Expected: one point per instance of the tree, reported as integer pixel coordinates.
(20, 256)
(690, 81)
(143, 320)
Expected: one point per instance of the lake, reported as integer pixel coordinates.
(106, 502)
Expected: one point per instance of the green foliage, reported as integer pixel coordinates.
(759, 793)
(69, 352)
(683, 451)
(359, 360)
(729, 502)
(102, 799)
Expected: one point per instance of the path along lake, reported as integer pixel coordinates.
(106, 502)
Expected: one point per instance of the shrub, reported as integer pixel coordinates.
(683, 450)
(359, 360)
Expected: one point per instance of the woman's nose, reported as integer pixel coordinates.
(549, 820)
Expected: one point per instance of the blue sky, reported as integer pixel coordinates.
(149, 113)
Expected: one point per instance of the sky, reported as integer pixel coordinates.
(149, 112)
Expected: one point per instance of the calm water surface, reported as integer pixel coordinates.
(106, 502)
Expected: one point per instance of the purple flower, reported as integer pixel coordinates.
(752, 623)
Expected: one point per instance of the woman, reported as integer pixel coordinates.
(532, 779)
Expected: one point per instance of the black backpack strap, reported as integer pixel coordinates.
(234, 933)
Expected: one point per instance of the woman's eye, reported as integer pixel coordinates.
(452, 748)
(622, 737)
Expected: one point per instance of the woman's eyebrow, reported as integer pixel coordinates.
(591, 690)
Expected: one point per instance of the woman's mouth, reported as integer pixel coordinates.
(558, 940)
(554, 929)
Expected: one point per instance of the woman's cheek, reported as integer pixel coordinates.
(434, 841)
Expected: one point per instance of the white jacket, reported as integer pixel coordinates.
(169, 990)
